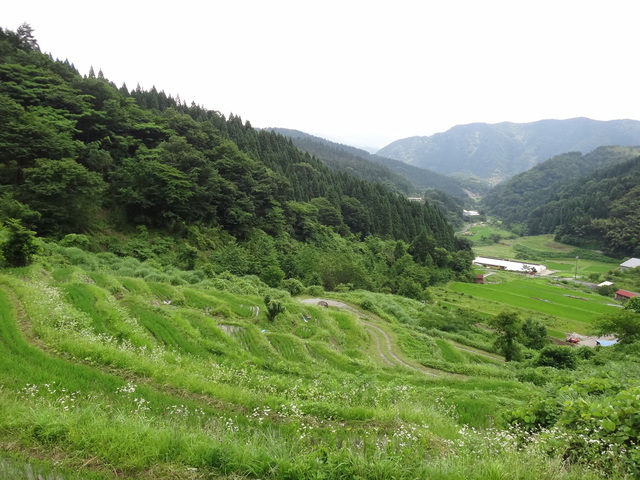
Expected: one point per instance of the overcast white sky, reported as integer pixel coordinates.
(364, 72)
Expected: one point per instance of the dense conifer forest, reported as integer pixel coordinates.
(399, 175)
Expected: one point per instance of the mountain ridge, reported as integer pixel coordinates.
(497, 152)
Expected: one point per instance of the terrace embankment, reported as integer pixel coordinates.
(382, 339)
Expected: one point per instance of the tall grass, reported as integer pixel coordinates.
(164, 328)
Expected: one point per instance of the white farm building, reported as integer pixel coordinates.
(629, 264)
(509, 265)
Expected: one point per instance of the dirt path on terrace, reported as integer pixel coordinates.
(465, 229)
(384, 346)
(459, 346)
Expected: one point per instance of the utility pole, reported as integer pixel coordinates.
(576, 275)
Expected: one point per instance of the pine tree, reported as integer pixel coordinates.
(27, 40)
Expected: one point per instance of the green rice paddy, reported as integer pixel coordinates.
(563, 305)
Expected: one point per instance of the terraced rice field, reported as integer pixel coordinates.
(564, 308)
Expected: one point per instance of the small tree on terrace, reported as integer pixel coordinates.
(557, 357)
(274, 308)
(625, 324)
(534, 334)
(507, 324)
(633, 304)
(20, 246)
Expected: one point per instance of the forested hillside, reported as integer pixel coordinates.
(497, 152)
(407, 178)
(446, 193)
(514, 200)
(600, 211)
(141, 173)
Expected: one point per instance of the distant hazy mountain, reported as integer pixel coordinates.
(400, 176)
(514, 200)
(499, 151)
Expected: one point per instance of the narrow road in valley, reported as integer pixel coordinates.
(465, 229)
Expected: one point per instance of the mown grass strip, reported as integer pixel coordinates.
(23, 363)
(84, 298)
(322, 353)
(163, 329)
(449, 353)
(135, 286)
(200, 300)
(290, 347)
(212, 337)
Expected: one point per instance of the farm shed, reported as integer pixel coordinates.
(625, 295)
(631, 263)
(508, 265)
(480, 277)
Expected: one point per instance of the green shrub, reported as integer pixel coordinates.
(557, 356)
(75, 240)
(606, 290)
(314, 290)
(20, 246)
(274, 308)
(537, 376)
(368, 305)
(293, 286)
(343, 287)
(272, 275)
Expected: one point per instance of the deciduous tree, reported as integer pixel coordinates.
(20, 246)
(534, 334)
(507, 324)
(65, 193)
(625, 324)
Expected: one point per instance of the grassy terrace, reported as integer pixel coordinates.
(119, 376)
(564, 309)
(564, 306)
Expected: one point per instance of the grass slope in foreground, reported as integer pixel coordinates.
(114, 376)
